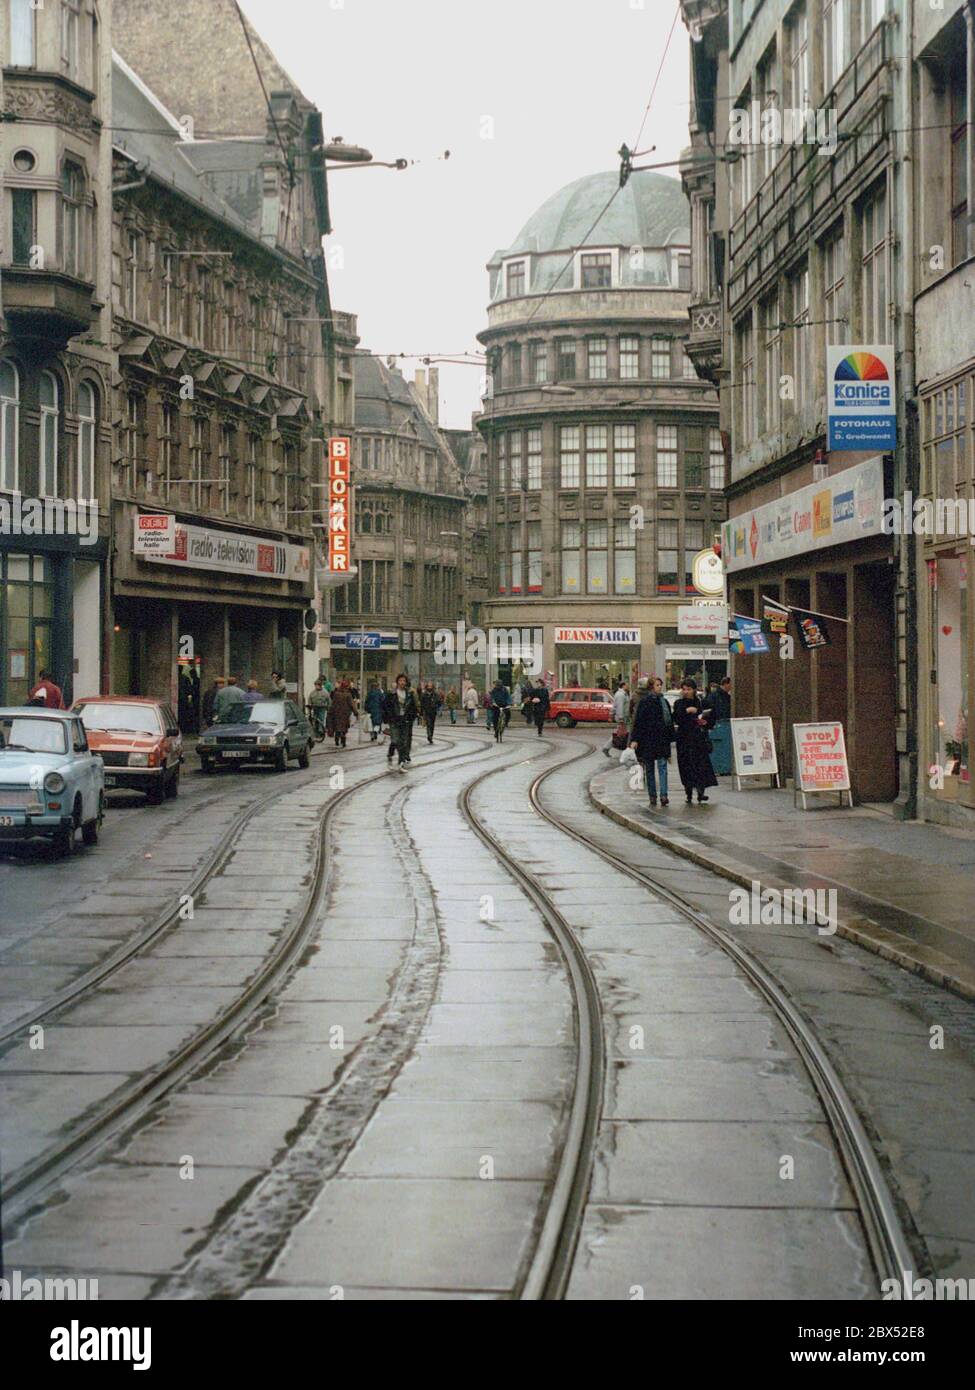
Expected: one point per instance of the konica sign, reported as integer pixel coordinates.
(862, 406)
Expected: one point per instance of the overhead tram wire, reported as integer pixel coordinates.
(267, 99)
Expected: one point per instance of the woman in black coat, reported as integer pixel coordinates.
(650, 738)
(692, 719)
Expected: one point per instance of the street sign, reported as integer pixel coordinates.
(339, 518)
(821, 764)
(753, 744)
(154, 535)
(363, 641)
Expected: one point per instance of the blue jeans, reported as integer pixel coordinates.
(657, 765)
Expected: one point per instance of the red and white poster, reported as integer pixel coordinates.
(339, 504)
(155, 534)
(821, 764)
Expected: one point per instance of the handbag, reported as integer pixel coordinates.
(621, 736)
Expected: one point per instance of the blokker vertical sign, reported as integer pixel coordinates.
(861, 405)
(339, 505)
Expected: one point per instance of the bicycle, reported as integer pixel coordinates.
(501, 717)
(317, 722)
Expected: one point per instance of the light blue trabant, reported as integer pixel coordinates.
(51, 784)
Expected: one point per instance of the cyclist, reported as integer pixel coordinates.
(499, 711)
(318, 702)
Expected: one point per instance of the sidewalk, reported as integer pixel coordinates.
(905, 890)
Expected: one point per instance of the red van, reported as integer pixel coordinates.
(573, 706)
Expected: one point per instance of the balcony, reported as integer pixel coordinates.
(705, 341)
(45, 308)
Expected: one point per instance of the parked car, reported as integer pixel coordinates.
(269, 731)
(139, 742)
(573, 706)
(51, 783)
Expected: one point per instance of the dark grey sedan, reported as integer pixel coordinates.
(269, 731)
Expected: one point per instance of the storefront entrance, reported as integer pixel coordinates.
(596, 673)
(26, 597)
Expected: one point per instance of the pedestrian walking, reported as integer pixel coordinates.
(538, 703)
(374, 709)
(340, 713)
(318, 703)
(252, 694)
(471, 702)
(209, 696)
(720, 700)
(693, 716)
(400, 712)
(230, 695)
(621, 718)
(651, 737)
(429, 705)
(451, 700)
(45, 692)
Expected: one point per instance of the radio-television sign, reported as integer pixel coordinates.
(339, 505)
(861, 404)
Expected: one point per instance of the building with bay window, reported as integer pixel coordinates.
(55, 356)
(606, 467)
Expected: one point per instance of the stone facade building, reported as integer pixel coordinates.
(227, 364)
(409, 525)
(55, 343)
(606, 467)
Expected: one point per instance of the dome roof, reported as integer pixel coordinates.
(651, 210)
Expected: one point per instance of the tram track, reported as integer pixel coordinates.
(24, 1188)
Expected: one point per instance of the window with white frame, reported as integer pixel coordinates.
(48, 400)
(596, 358)
(595, 270)
(9, 426)
(797, 50)
(715, 460)
(873, 267)
(514, 455)
(131, 441)
(566, 359)
(22, 52)
(516, 558)
(770, 320)
(533, 455)
(834, 40)
(168, 447)
(571, 546)
(596, 455)
(502, 462)
(801, 349)
(514, 279)
(629, 359)
(660, 367)
(538, 358)
(70, 25)
(834, 286)
(72, 218)
(569, 456)
(624, 455)
(87, 425)
(533, 541)
(624, 557)
(666, 455)
(597, 556)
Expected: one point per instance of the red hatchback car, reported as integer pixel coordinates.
(574, 706)
(138, 740)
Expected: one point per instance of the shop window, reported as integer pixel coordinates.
(47, 473)
(9, 426)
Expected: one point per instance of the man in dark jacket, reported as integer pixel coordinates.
(650, 738)
(429, 705)
(538, 703)
(400, 712)
(374, 709)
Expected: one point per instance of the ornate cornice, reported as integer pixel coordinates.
(47, 98)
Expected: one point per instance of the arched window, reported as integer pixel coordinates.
(72, 220)
(9, 425)
(47, 472)
(86, 443)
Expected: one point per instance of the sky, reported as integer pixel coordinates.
(527, 95)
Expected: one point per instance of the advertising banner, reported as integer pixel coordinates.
(848, 506)
(821, 764)
(608, 636)
(339, 505)
(746, 636)
(775, 616)
(861, 402)
(753, 744)
(812, 630)
(696, 620)
(230, 552)
(154, 535)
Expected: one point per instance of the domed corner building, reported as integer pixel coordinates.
(606, 468)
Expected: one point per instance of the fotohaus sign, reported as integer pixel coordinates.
(861, 403)
(339, 505)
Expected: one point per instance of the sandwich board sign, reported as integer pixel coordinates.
(821, 764)
(753, 744)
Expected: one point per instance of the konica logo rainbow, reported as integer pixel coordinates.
(860, 380)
